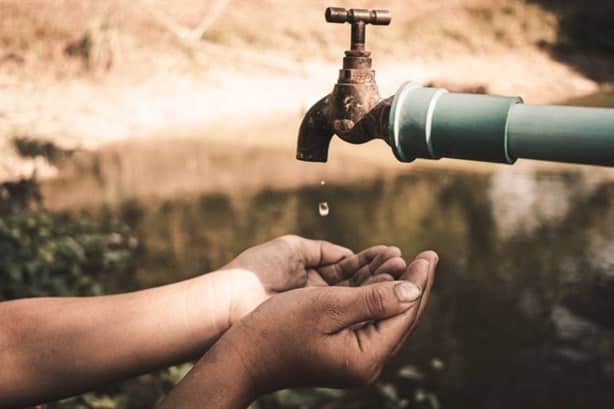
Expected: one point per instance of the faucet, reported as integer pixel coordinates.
(354, 110)
(432, 123)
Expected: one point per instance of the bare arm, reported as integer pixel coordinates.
(55, 347)
(219, 380)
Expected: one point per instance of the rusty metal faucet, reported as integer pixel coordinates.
(354, 110)
(432, 123)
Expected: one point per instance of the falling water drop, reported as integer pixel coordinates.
(323, 209)
(322, 183)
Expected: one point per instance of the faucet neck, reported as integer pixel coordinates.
(359, 35)
(357, 68)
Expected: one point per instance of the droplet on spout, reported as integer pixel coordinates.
(322, 183)
(323, 209)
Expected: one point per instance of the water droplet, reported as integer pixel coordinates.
(322, 183)
(323, 209)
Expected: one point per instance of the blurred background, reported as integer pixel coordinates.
(145, 142)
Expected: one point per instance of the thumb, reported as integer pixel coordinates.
(351, 305)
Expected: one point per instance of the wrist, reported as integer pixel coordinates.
(236, 360)
(207, 307)
(218, 380)
(242, 291)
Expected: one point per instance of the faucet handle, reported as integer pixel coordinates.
(341, 15)
(358, 18)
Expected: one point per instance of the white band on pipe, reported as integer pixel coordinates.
(429, 120)
(506, 142)
(405, 88)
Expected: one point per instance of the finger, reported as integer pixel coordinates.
(337, 273)
(346, 306)
(360, 267)
(413, 275)
(330, 253)
(364, 258)
(396, 330)
(390, 252)
(416, 276)
(394, 266)
(378, 279)
(314, 279)
(315, 253)
(334, 274)
(366, 278)
(387, 261)
(360, 276)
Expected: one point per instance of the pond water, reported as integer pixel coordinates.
(522, 314)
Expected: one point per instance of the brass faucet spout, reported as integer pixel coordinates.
(354, 110)
(315, 133)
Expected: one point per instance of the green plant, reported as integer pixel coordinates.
(52, 254)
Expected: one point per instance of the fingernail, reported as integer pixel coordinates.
(407, 292)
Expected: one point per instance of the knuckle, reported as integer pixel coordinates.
(337, 273)
(289, 243)
(332, 309)
(393, 251)
(335, 315)
(376, 302)
(290, 237)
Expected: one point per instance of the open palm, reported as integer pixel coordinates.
(291, 262)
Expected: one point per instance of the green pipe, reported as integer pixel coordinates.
(562, 134)
(432, 123)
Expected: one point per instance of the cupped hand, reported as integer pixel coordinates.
(330, 336)
(292, 262)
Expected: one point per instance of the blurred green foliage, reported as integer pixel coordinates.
(44, 253)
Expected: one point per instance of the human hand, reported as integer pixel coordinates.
(292, 262)
(329, 336)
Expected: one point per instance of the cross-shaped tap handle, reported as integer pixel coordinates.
(358, 18)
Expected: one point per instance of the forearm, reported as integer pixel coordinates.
(55, 347)
(219, 380)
